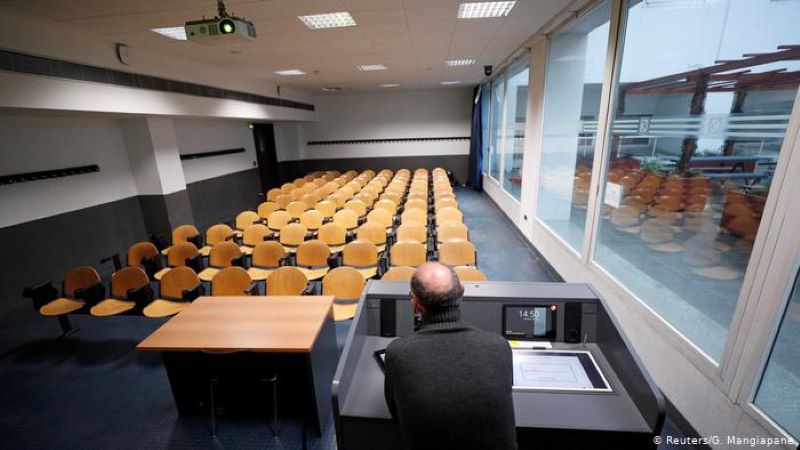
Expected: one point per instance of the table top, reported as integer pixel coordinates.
(275, 324)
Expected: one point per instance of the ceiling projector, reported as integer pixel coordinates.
(223, 29)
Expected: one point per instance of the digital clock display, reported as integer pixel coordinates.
(529, 321)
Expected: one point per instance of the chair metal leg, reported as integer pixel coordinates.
(66, 327)
(213, 405)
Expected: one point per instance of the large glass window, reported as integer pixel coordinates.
(701, 112)
(779, 392)
(484, 99)
(514, 141)
(576, 58)
(495, 136)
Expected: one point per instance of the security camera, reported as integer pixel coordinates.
(487, 70)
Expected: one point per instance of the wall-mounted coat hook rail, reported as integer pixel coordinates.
(45, 174)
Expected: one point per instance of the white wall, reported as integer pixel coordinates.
(30, 143)
(198, 136)
(384, 115)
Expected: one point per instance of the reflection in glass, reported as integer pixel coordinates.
(498, 87)
(514, 142)
(576, 58)
(701, 113)
(779, 392)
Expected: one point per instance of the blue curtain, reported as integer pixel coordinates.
(476, 142)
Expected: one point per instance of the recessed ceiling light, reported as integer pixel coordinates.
(389, 85)
(331, 89)
(446, 83)
(177, 33)
(459, 62)
(290, 72)
(329, 20)
(371, 67)
(480, 10)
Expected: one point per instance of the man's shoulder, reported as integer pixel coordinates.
(485, 338)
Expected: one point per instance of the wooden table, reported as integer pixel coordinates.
(241, 340)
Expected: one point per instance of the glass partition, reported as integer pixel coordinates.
(514, 140)
(495, 129)
(485, 100)
(576, 59)
(701, 112)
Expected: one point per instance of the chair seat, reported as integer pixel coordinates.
(208, 273)
(111, 306)
(259, 274)
(164, 308)
(314, 274)
(369, 272)
(61, 306)
(205, 251)
(344, 311)
(158, 275)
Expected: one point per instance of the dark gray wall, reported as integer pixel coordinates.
(219, 199)
(43, 250)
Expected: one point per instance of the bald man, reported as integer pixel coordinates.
(449, 385)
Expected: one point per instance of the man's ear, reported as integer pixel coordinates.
(418, 308)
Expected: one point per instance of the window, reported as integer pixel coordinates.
(576, 58)
(485, 99)
(779, 391)
(495, 138)
(700, 117)
(514, 135)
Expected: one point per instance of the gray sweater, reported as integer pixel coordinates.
(449, 386)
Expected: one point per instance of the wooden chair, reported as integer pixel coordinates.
(296, 209)
(179, 287)
(442, 203)
(266, 257)
(447, 214)
(297, 194)
(278, 220)
(333, 234)
(214, 234)
(457, 252)
(373, 232)
(414, 215)
(347, 218)
(310, 200)
(408, 253)
(416, 203)
(469, 273)
(129, 286)
(181, 254)
(273, 194)
(367, 199)
(232, 281)
(224, 254)
(184, 233)
(451, 230)
(358, 206)
(413, 232)
(345, 285)
(266, 208)
(399, 273)
(254, 235)
(287, 281)
(287, 187)
(327, 208)
(81, 287)
(312, 219)
(338, 199)
(382, 217)
(312, 259)
(391, 196)
(244, 219)
(145, 255)
(292, 235)
(362, 256)
(283, 200)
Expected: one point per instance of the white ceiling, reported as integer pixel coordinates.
(413, 38)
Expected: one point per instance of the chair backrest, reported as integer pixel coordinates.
(412, 232)
(347, 218)
(452, 230)
(218, 233)
(255, 234)
(231, 281)
(358, 206)
(283, 200)
(457, 252)
(295, 209)
(338, 199)
(246, 218)
(414, 215)
(267, 208)
(182, 233)
(381, 217)
(469, 273)
(373, 232)
(408, 253)
(179, 253)
(273, 194)
(223, 253)
(449, 213)
(416, 203)
(293, 234)
(442, 203)
(139, 251)
(287, 187)
(177, 280)
(360, 254)
(387, 204)
(343, 283)
(286, 281)
(332, 234)
(399, 273)
(278, 220)
(326, 207)
(79, 278)
(267, 254)
(310, 199)
(313, 253)
(126, 279)
(312, 219)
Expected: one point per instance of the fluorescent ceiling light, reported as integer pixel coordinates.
(459, 62)
(177, 33)
(446, 83)
(329, 20)
(480, 10)
(389, 85)
(290, 72)
(371, 67)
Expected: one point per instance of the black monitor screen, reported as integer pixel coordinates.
(529, 321)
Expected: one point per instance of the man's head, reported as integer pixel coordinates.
(435, 287)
